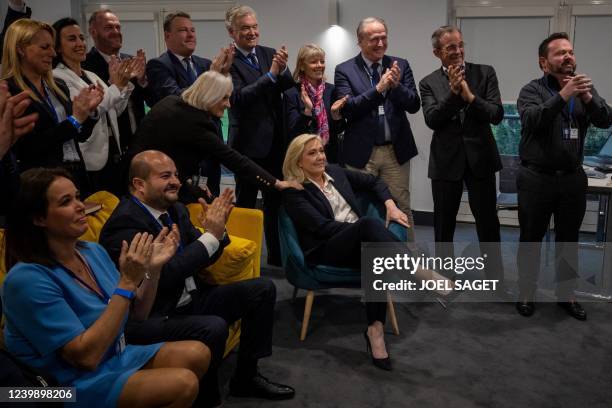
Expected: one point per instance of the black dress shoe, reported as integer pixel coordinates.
(525, 308)
(382, 363)
(260, 387)
(574, 309)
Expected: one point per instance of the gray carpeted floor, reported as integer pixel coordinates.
(469, 355)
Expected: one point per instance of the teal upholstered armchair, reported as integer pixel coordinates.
(311, 278)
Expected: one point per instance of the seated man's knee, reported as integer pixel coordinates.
(368, 223)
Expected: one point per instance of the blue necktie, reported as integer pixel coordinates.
(253, 59)
(375, 74)
(190, 72)
(165, 220)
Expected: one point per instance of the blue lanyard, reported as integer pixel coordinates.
(49, 103)
(146, 210)
(104, 296)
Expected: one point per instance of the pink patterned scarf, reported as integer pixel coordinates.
(318, 107)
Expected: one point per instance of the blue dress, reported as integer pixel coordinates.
(46, 308)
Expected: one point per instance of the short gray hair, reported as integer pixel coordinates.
(435, 37)
(369, 20)
(208, 89)
(237, 12)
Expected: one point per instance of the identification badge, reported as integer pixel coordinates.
(573, 134)
(121, 344)
(190, 284)
(381, 110)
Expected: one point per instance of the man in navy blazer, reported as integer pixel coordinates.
(381, 89)
(260, 76)
(105, 30)
(177, 68)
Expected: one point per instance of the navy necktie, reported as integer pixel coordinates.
(165, 220)
(190, 72)
(375, 74)
(253, 60)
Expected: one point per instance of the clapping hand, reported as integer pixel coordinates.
(306, 101)
(120, 72)
(388, 80)
(336, 108)
(12, 124)
(164, 247)
(455, 77)
(397, 74)
(279, 61)
(87, 101)
(134, 259)
(283, 184)
(223, 60)
(578, 85)
(215, 215)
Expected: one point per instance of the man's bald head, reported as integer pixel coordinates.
(154, 179)
(144, 162)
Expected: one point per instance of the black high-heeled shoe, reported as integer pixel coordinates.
(382, 363)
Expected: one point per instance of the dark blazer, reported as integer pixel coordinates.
(94, 61)
(189, 135)
(256, 115)
(129, 218)
(361, 110)
(10, 18)
(298, 123)
(462, 132)
(168, 76)
(311, 212)
(43, 146)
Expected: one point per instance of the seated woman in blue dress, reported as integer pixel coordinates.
(66, 304)
(329, 224)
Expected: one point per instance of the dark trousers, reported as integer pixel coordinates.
(482, 197)
(207, 317)
(541, 196)
(246, 197)
(343, 249)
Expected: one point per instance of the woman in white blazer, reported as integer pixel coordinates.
(102, 151)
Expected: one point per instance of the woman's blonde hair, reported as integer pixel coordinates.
(207, 90)
(18, 36)
(306, 52)
(291, 169)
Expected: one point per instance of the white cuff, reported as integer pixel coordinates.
(210, 242)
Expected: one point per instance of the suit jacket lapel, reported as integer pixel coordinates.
(178, 66)
(360, 70)
(314, 190)
(247, 71)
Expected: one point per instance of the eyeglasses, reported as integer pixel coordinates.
(453, 47)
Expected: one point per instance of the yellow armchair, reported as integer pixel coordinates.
(240, 259)
(96, 220)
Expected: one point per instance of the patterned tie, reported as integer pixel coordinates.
(253, 59)
(190, 72)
